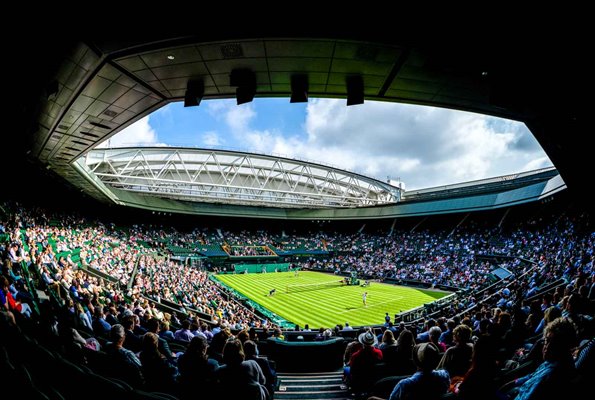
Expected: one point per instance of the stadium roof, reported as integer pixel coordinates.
(230, 177)
(73, 95)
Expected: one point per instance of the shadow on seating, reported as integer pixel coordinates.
(384, 387)
(325, 355)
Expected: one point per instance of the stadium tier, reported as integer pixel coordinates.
(120, 266)
(109, 275)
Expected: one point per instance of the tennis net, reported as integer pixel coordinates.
(313, 286)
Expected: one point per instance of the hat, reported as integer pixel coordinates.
(426, 356)
(367, 338)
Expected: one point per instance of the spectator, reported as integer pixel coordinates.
(159, 373)
(552, 378)
(480, 381)
(251, 352)
(124, 363)
(240, 379)
(197, 370)
(163, 345)
(426, 383)
(457, 359)
(361, 374)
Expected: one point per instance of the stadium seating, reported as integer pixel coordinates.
(324, 355)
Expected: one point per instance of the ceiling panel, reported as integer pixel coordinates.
(113, 92)
(96, 87)
(64, 96)
(144, 104)
(175, 71)
(285, 77)
(225, 66)
(405, 94)
(237, 49)
(366, 52)
(75, 78)
(363, 67)
(415, 85)
(369, 80)
(81, 103)
(296, 64)
(132, 64)
(130, 98)
(182, 55)
(305, 48)
(123, 117)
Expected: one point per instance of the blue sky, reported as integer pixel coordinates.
(421, 146)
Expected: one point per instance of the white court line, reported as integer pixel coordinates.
(374, 305)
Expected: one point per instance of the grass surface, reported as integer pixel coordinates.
(329, 306)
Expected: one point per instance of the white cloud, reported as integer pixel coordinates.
(239, 119)
(541, 162)
(217, 108)
(423, 146)
(138, 134)
(211, 138)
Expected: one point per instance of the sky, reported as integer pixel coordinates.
(418, 145)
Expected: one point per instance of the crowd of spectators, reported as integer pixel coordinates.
(112, 291)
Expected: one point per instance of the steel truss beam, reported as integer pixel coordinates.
(229, 177)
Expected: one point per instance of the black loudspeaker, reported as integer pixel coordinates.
(245, 80)
(195, 90)
(355, 90)
(299, 89)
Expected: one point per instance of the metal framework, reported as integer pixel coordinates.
(231, 177)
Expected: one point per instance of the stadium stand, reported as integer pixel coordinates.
(97, 277)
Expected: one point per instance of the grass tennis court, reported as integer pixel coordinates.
(330, 305)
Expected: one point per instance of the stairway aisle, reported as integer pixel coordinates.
(311, 386)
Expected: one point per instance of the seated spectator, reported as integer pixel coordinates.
(447, 336)
(278, 334)
(251, 351)
(197, 370)
(435, 333)
(243, 336)
(401, 363)
(13, 305)
(361, 375)
(426, 383)
(165, 332)
(100, 326)
(125, 364)
(551, 379)
(163, 346)
(50, 282)
(480, 381)
(352, 347)
(535, 354)
(183, 334)
(82, 319)
(217, 345)
(388, 340)
(160, 375)
(457, 359)
(320, 334)
(424, 337)
(240, 379)
(585, 357)
(133, 342)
